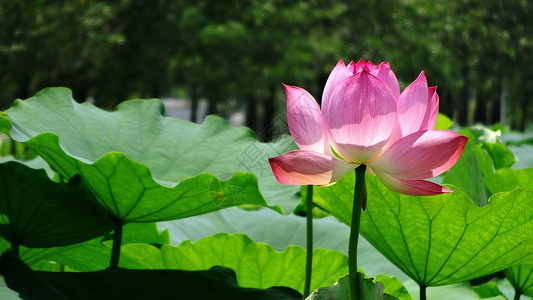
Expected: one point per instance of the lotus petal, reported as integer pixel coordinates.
(412, 105)
(421, 155)
(338, 74)
(302, 167)
(411, 187)
(361, 116)
(305, 121)
(432, 111)
(384, 72)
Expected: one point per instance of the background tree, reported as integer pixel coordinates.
(235, 54)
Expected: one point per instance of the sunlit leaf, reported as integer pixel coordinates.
(135, 155)
(479, 160)
(469, 173)
(508, 179)
(443, 239)
(341, 290)
(279, 232)
(521, 277)
(443, 122)
(501, 156)
(393, 287)
(256, 264)
(488, 290)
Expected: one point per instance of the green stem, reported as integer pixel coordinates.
(422, 291)
(309, 239)
(117, 242)
(358, 195)
(517, 293)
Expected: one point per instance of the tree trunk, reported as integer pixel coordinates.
(503, 91)
(194, 103)
(251, 112)
(525, 113)
(480, 114)
(212, 106)
(269, 112)
(462, 106)
(471, 106)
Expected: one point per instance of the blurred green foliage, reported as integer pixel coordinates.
(477, 52)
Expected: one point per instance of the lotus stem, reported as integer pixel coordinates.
(117, 242)
(309, 240)
(358, 200)
(517, 293)
(422, 291)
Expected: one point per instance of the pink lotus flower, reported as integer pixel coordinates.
(365, 119)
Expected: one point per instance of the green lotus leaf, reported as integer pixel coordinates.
(341, 290)
(37, 212)
(279, 232)
(490, 140)
(216, 283)
(256, 264)
(92, 255)
(505, 180)
(469, 173)
(145, 167)
(521, 278)
(488, 290)
(393, 287)
(443, 239)
(479, 160)
(501, 156)
(443, 122)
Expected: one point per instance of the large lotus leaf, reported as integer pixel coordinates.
(37, 212)
(257, 264)
(128, 191)
(135, 155)
(443, 239)
(490, 140)
(469, 173)
(457, 291)
(508, 179)
(34, 163)
(482, 155)
(279, 232)
(502, 157)
(216, 283)
(521, 277)
(341, 290)
(489, 290)
(92, 255)
(393, 287)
